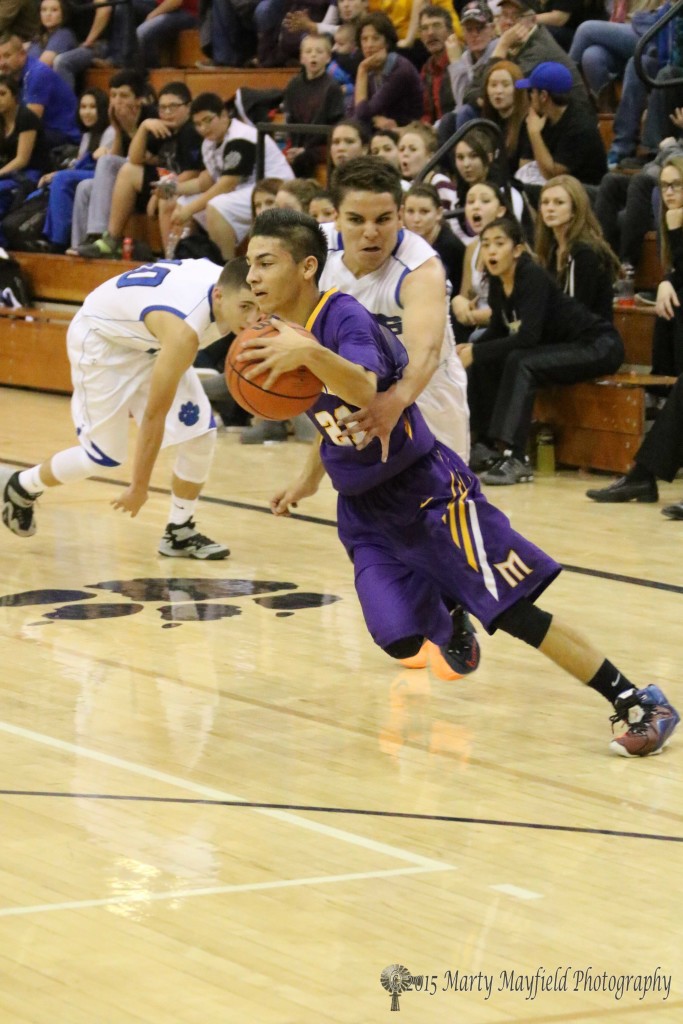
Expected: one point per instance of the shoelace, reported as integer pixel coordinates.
(637, 727)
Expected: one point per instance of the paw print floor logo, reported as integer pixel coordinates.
(177, 600)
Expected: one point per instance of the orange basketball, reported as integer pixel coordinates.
(292, 393)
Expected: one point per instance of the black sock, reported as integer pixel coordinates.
(609, 682)
(640, 473)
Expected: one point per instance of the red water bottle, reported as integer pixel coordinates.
(127, 249)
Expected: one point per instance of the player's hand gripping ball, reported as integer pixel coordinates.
(292, 393)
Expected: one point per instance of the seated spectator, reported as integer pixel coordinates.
(23, 151)
(19, 18)
(602, 49)
(312, 97)
(537, 335)
(667, 348)
(220, 198)
(388, 88)
(158, 23)
(384, 145)
(227, 33)
(92, 202)
(423, 214)
(623, 206)
(405, 16)
(467, 63)
(571, 247)
(345, 60)
(563, 137)
(563, 17)
(417, 143)
(278, 36)
(42, 91)
(436, 28)
(528, 44)
(661, 453)
(321, 207)
(297, 194)
(169, 142)
(54, 36)
(475, 161)
(98, 42)
(264, 194)
(507, 107)
(96, 140)
(349, 139)
(484, 203)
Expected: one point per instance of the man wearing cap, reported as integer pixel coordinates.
(563, 137)
(528, 44)
(479, 35)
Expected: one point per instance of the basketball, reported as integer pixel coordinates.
(292, 393)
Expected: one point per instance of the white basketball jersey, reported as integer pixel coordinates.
(380, 291)
(117, 308)
(443, 403)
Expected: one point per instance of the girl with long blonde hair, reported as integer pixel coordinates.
(571, 247)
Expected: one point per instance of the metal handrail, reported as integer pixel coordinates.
(478, 122)
(641, 46)
(264, 128)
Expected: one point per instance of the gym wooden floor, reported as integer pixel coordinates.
(247, 818)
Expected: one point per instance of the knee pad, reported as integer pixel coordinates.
(407, 647)
(194, 457)
(526, 622)
(76, 464)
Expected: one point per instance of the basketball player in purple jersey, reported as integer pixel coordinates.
(416, 526)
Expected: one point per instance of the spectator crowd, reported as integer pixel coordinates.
(522, 82)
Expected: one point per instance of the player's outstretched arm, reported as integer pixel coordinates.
(303, 487)
(179, 345)
(423, 297)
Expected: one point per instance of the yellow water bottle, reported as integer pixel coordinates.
(545, 452)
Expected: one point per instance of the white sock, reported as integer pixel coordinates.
(182, 509)
(30, 480)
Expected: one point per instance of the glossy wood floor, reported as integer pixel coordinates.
(247, 818)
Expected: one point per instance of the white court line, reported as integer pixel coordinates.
(520, 894)
(217, 794)
(216, 890)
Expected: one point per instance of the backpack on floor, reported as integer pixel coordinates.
(14, 288)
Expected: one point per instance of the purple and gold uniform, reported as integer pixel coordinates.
(417, 526)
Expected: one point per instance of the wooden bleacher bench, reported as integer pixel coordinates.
(598, 424)
(33, 350)
(224, 81)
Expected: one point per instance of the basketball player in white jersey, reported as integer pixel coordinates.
(397, 276)
(131, 348)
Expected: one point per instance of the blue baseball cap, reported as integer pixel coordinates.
(549, 75)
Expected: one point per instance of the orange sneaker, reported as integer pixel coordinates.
(418, 660)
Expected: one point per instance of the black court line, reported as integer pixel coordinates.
(635, 581)
(356, 811)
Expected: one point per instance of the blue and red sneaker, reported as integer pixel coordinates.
(651, 721)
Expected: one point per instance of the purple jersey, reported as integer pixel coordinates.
(343, 326)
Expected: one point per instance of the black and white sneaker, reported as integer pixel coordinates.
(508, 470)
(185, 541)
(17, 504)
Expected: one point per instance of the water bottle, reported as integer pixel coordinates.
(174, 236)
(627, 291)
(127, 249)
(545, 452)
